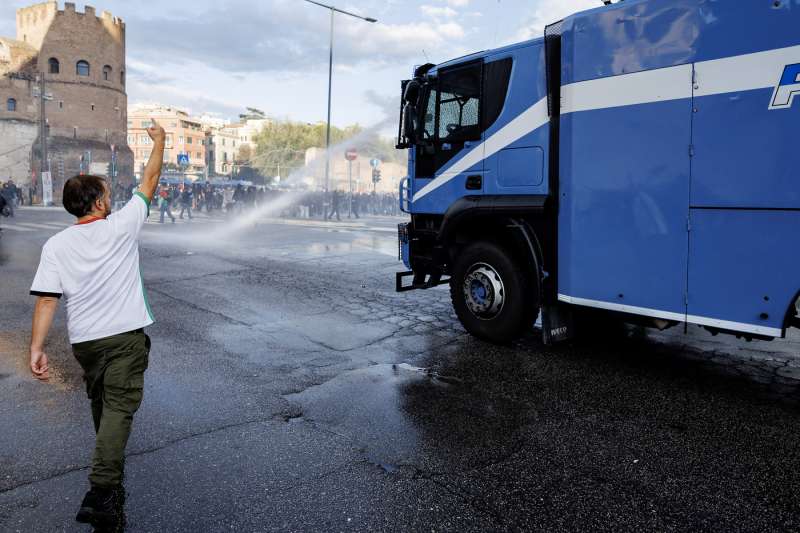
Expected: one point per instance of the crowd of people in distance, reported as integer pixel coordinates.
(11, 197)
(339, 203)
(231, 199)
(184, 199)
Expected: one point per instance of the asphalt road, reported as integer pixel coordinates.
(290, 389)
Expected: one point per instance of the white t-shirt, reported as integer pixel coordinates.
(96, 267)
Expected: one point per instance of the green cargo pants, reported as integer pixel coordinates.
(114, 374)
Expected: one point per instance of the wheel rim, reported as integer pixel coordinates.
(484, 291)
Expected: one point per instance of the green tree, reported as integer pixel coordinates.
(281, 145)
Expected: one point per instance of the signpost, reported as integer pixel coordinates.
(47, 189)
(86, 162)
(351, 155)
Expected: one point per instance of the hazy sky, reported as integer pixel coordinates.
(220, 56)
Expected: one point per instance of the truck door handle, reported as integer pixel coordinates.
(474, 182)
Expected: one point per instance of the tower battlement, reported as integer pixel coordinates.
(36, 21)
(43, 14)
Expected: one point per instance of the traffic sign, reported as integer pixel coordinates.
(374, 162)
(351, 154)
(183, 159)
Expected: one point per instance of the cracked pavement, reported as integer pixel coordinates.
(290, 389)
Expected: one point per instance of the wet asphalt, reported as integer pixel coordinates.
(291, 389)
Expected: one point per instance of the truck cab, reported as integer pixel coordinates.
(636, 160)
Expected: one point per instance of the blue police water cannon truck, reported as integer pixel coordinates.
(640, 159)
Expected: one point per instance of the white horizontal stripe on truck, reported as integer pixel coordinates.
(671, 315)
(719, 76)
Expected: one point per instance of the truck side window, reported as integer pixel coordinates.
(459, 104)
(430, 116)
(496, 76)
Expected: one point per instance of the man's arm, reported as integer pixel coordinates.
(42, 319)
(152, 171)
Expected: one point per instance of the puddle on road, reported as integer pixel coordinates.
(381, 244)
(400, 412)
(470, 404)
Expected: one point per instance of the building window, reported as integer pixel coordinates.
(92, 107)
(188, 140)
(180, 140)
(82, 68)
(146, 124)
(122, 77)
(106, 73)
(11, 104)
(75, 132)
(169, 140)
(131, 139)
(199, 155)
(55, 66)
(61, 104)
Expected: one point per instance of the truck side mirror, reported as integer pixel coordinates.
(410, 122)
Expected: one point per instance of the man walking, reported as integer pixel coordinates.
(163, 206)
(95, 265)
(335, 198)
(9, 194)
(186, 201)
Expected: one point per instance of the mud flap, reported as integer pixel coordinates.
(557, 323)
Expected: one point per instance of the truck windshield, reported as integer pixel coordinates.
(459, 104)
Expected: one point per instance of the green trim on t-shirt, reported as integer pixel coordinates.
(144, 294)
(141, 195)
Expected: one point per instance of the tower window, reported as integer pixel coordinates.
(106, 73)
(55, 66)
(122, 77)
(11, 104)
(82, 68)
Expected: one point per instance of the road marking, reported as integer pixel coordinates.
(14, 228)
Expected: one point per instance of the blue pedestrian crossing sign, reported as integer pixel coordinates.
(183, 159)
(374, 162)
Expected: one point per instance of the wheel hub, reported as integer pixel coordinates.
(484, 291)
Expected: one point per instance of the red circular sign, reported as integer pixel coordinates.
(351, 154)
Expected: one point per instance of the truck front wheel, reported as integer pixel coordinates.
(493, 297)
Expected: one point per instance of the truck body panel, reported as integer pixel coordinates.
(666, 155)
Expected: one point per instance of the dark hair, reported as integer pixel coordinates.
(80, 194)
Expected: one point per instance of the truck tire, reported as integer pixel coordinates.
(494, 297)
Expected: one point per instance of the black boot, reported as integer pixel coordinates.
(102, 507)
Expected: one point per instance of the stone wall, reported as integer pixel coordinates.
(16, 138)
(65, 161)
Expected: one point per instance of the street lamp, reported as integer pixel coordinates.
(333, 11)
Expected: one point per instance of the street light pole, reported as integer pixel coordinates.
(328, 122)
(333, 11)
